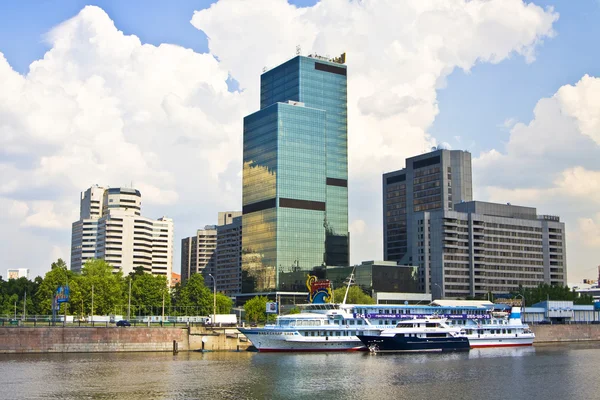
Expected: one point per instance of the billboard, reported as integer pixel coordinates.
(318, 291)
(272, 307)
(62, 294)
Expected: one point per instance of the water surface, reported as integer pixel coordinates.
(540, 372)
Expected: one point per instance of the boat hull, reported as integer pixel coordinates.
(400, 343)
(482, 342)
(270, 340)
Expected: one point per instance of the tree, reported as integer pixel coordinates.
(193, 295)
(224, 304)
(58, 275)
(545, 292)
(21, 287)
(355, 296)
(107, 287)
(148, 292)
(294, 310)
(256, 309)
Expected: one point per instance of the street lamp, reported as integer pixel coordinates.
(441, 290)
(214, 298)
(129, 301)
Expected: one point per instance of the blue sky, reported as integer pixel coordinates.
(473, 106)
(511, 88)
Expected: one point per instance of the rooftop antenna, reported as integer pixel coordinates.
(298, 50)
(349, 283)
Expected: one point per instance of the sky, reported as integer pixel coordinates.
(153, 93)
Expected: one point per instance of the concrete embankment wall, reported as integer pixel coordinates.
(227, 339)
(565, 333)
(90, 340)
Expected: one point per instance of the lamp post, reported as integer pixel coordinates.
(92, 305)
(214, 298)
(129, 302)
(441, 290)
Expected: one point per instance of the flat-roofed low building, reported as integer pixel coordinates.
(375, 277)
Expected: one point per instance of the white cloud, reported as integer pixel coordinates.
(399, 54)
(101, 107)
(553, 162)
(590, 231)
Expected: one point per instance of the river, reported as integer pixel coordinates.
(542, 372)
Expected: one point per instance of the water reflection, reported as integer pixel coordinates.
(551, 372)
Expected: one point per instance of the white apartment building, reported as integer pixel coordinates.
(16, 273)
(111, 228)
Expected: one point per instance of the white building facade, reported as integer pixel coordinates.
(111, 228)
(16, 273)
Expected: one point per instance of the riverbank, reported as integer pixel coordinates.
(566, 333)
(113, 339)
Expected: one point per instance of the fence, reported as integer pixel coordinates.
(100, 321)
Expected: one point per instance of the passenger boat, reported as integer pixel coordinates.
(500, 331)
(418, 335)
(334, 327)
(320, 327)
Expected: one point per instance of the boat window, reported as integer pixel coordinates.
(435, 335)
(430, 325)
(351, 322)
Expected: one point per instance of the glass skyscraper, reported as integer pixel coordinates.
(295, 175)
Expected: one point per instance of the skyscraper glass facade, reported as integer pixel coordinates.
(295, 194)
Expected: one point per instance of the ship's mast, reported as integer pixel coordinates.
(349, 283)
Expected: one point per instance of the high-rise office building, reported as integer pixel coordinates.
(215, 250)
(433, 181)
(464, 247)
(111, 228)
(295, 175)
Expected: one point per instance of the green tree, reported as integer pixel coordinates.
(545, 292)
(194, 297)
(224, 304)
(256, 310)
(58, 275)
(294, 310)
(148, 292)
(107, 287)
(355, 296)
(22, 288)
